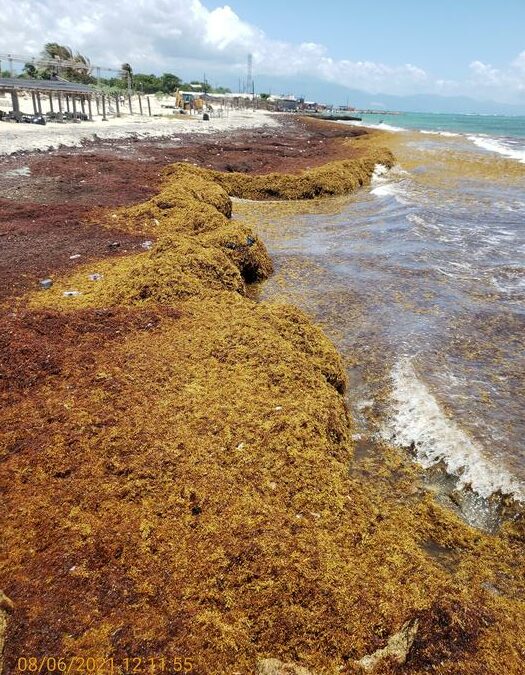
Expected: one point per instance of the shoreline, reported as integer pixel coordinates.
(200, 441)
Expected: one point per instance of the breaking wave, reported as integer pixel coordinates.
(418, 421)
(499, 146)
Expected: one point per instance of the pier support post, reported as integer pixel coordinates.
(39, 102)
(149, 105)
(51, 109)
(117, 105)
(33, 98)
(104, 118)
(74, 107)
(15, 101)
(140, 105)
(130, 108)
(90, 111)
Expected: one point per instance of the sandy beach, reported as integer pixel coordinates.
(31, 137)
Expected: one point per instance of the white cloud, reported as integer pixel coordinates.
(163, 34)
(519, 62)
(486, 73)
(223, 29)
(177, 35)
(491, 81)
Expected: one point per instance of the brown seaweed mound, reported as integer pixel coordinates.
(188, 203)
(178, 481)
(172, 270)
(333, 178)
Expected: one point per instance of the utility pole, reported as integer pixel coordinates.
(249, 78)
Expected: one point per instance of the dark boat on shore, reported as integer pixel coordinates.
(339, 116)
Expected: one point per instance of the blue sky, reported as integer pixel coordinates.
(473, 48)
(440, 35)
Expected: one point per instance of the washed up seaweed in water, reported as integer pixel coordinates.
(177, 481)
(333, 178)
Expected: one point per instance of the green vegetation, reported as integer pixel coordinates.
(81, 70)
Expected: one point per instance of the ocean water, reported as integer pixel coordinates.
(501, 134)
(419, 279)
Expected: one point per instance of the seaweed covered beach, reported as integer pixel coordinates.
(179, 465)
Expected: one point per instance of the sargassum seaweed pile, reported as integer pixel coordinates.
(176, 472)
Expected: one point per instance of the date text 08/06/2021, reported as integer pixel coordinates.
(140, 665)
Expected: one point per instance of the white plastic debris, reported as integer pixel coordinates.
(71, 294)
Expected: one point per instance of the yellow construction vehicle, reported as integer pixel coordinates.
(189, 100)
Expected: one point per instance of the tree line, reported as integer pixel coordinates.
(79, 69)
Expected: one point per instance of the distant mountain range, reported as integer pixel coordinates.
(317, 90)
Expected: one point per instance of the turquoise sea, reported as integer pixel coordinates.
(499, 125)
(501, 134)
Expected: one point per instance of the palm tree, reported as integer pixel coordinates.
(77, 70)
(127, 74)
(30, 70)
(52, 50)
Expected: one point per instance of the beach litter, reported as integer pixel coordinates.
(45, 284)
(71, 294)
(74, 256)
(95, 277)
(22, 171)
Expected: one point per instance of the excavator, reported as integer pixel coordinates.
(186, 100)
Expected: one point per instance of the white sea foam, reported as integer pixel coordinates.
(386, 190)
(381, 125)
(418, 220)
(390, 183)
(509, 284)
(379, 170)
(455, 275)
(389, 127)
(448, 134)
(494, 145)
(418, 419)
